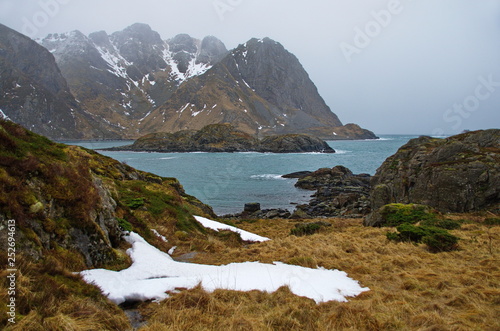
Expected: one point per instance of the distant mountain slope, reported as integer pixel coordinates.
(33, 91)
(122, 77)
(133, 82)
(260, 88)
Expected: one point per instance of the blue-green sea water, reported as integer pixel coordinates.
(226, 181)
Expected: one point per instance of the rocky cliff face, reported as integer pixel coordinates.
(120, 78)
(33, 91)
(457, 174)
(225, 138)
(261, 89)
(73, 203)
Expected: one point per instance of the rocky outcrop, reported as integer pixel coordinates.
(252, 211)
(339, 192)
(225, 138)
(73, 203)
(457, 174)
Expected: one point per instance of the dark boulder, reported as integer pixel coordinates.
(339, 192)
(251, 207)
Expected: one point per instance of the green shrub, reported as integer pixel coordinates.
(395, 214)
(305, 229)
(135, 203)
(436, 239)
(441, 242)
(443, 224)
(124, 224)
(410, 232)
(492, 221)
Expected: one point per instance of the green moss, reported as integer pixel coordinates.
(124, 224)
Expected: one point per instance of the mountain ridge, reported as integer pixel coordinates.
(133, 82)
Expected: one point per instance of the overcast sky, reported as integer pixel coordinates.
(392, 66)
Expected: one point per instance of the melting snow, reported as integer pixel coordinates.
(183, 108)
(3, 116)
(159, 235)
(153, 273)
(246, 236)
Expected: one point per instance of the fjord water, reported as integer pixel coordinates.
(226, 181)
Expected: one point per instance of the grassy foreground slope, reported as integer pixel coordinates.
(410, 287)
(70, 206)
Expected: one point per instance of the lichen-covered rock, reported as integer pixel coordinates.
(456, 174)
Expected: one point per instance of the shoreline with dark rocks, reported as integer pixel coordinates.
(339, 193)
(454, 175)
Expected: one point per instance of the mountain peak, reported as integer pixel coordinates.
(137, 33)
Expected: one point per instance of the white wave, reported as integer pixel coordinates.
(266, 176)
(167, 158)
(341, 151)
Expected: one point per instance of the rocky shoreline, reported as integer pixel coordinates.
(225, 138)
(457, 174)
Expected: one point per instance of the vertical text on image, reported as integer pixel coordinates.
(11, 269)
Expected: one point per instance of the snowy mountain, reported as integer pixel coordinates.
(261, 89)
(132, 82)
(122, 77)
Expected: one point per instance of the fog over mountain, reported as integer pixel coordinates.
(393, 66)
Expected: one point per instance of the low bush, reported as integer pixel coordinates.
(492, 221)
(443, 224)
(395, 214)
(305, 229)
(436, 239)
(124, 224)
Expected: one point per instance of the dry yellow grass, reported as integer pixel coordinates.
(411, 288)
(50, 298)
